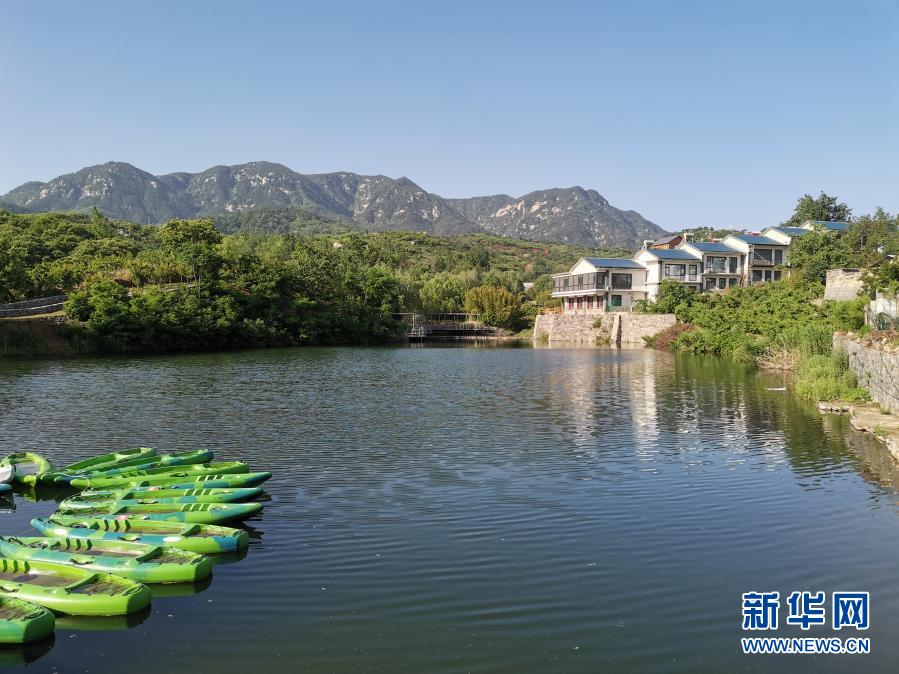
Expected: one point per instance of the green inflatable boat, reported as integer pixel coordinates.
(186, 472)
(102, 462)
(195, 513)
(205, 539)
(28, 466)
(186, 458)
(182, 481)
(68, 589)
(88, 499)
(134, 561)
(21, 622)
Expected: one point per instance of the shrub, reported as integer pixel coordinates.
(497, 306)
(828, 378)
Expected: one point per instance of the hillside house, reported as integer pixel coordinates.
(597, 285)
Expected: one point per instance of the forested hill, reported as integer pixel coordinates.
(184, 285)
(374, 203)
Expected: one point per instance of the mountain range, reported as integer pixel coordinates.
(568, 215)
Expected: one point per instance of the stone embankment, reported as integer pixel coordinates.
(612, 328)
(875, 363)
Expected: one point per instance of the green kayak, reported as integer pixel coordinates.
(134, 561)
(173, 460)
(161, 461)
(68, 589)
(182, 481)
(21, 622)
(202, 538)
(88, 499)
(197, 513)
(102, 462)
(186, 472)
(28, 466)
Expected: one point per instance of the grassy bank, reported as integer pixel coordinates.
(782, 325)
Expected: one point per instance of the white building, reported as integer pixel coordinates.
(596, 285)
(599, 284)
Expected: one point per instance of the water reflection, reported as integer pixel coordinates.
(81, 623)
(445, 510)
(169, 590)
(19, 655)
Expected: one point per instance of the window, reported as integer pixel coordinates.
(778, 257)
(676, 271)
(777, 276)
(761, 256)
(693, 271)
(731, 282)
(757, 276)
(733, 264)
(722, 283)
(716, 265)
(710, 284)
(566, 282)
(621, 281)
(615, 300)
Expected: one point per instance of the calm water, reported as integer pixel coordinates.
(478, 510)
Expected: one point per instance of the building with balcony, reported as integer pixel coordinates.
(784, 235)
(600, 284)
(597, 285)
(721, 266)
(675, 264)
(763, 256)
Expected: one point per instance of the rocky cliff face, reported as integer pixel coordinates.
(572, 215)
(120, 190)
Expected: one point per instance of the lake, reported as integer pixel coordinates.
(478, 509)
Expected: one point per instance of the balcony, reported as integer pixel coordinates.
(758, 261)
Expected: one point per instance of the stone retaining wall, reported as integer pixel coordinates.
(34, 307)
(618, 327)
(876, 365)
(843, 284)
(634, 327)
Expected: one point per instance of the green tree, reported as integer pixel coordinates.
(872, 239)
(497, 306)
(825, 207)
(175, 233)
(673, 298)
(477, 257)
(812, 254)
(442, 293)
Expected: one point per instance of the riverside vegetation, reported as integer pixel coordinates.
(784, 324)
(185, 285)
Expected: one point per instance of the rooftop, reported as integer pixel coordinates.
(791, 231)
(712, 247)
(675, 254)
(614, 262)
(667, 239)
(757, 240)
(831, 225)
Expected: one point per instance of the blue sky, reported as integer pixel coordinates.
(692, 113)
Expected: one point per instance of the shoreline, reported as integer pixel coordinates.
(868, 418)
